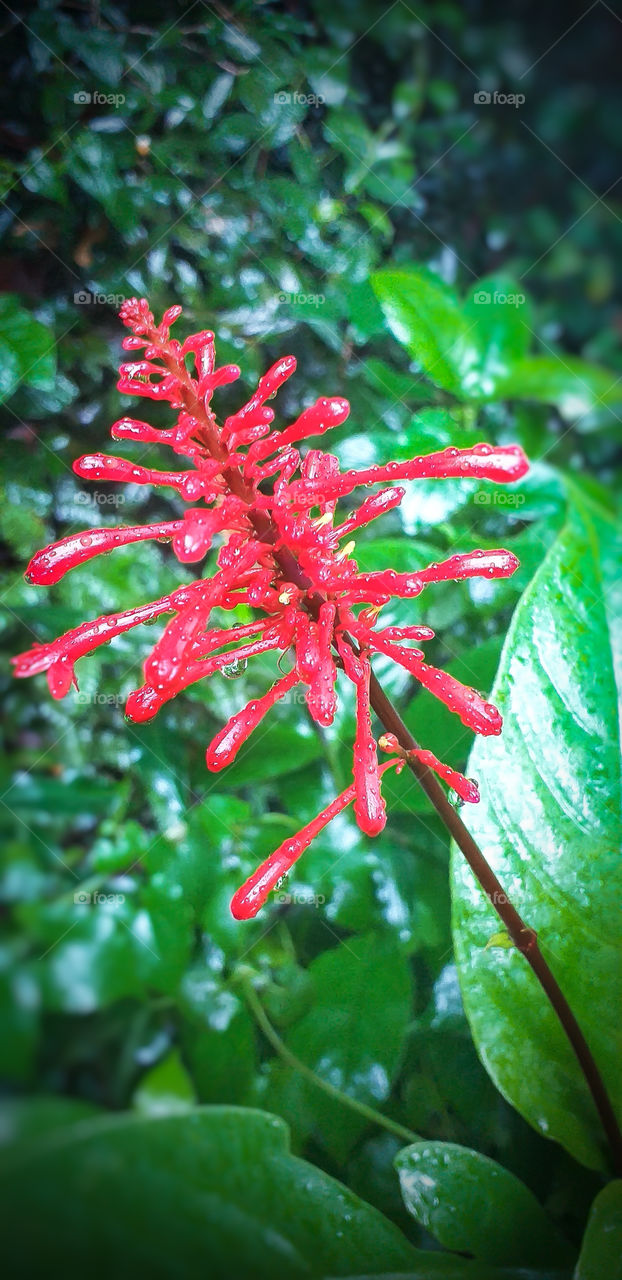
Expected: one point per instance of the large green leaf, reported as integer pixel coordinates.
(549, 823)
(354, 1034)
(601, 1251)
(212, 1192)
(472, 1205)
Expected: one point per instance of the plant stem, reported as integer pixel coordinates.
(523, 936)
(272, 1036)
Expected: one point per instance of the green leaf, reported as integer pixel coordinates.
(212, 1192)
(501, 316)
(478, 349)
(601, 1251)
(425, 316)
(354, 1034)
(574, 385)
(473, 1205)
(549, 821)
(27, 349)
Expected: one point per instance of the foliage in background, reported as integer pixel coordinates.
(204, 169)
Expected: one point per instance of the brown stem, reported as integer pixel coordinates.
(523, 936)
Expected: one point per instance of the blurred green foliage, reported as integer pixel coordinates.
(314, 178)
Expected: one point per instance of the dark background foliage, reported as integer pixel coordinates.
(179, 152)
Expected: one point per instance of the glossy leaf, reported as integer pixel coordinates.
(213, 1190)
(424, 315)
(549, 822)
(474, 1206)
(601, 1251)
(478, 349)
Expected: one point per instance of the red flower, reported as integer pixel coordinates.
(281, 553)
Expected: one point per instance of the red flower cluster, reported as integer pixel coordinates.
(281, 553)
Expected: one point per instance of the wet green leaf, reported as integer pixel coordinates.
(216, 1188)
(474, 1206)
(549, 821)
(601, 1251)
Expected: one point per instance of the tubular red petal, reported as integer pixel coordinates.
(51, 563)
(267, 386)
(225, 746)
(199, 526)
(179, 642)
(307, 647)
(406, 633)
(321, 695)
(83, 639)
(143, 704)
(502, 464)
(201, 344)
(190, 484)
(271, 640)
(135, 379)
(177, 438)
(153, 696)
(60, 676)
(370, 509)
(473, 710)
(208, 382)
(464, 787)
(384, 584)
(247, 901)
(327, 412)
(171, 315)
(218, 638)
(369, 806)
(471, 564)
